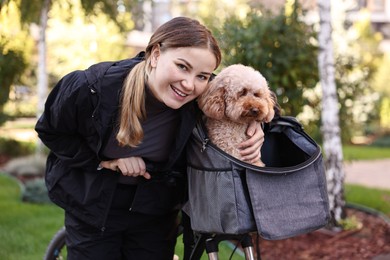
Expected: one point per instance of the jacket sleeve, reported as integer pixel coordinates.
(66, 126)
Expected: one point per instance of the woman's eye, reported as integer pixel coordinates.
(182, 67)
(202, 77)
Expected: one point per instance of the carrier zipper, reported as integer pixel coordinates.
(204, 144)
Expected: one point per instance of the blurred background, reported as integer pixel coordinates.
(43, 40)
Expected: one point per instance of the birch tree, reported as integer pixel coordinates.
(330, 115)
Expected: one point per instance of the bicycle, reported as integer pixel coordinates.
(56, 250)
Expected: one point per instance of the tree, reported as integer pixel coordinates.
(14, 46)
(330, 116)
(279, 46)
(36, 11)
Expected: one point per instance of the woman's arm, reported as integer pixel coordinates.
(66, 122)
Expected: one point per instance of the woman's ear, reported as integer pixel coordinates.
(155, 55)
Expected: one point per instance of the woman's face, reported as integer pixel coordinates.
(180, 75)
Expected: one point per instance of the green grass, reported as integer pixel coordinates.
(355, 152)
(25, 229)
(377, 199)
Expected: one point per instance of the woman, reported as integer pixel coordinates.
(117, 133)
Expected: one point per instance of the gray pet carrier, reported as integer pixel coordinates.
(286, 198)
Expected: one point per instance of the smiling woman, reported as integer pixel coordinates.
(116, 134)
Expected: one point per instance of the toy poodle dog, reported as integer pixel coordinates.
(237, 96)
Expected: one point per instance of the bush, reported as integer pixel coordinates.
(280, 47)
(383, 141)
(13, 148)
(35, 191)
(28, 167)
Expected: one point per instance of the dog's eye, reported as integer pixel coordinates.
(243, 92)
(257, 94)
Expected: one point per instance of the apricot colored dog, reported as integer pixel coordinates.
(237, 96)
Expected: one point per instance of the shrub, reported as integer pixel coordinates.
(26, 168)
(383, 141)
(35, 191)
(13, 148)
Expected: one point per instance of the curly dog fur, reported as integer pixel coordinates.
(235, 97)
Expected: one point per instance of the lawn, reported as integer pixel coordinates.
(358, 152)
(25, 229)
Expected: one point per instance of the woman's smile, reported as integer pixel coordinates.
(180, 75)
(178, 92)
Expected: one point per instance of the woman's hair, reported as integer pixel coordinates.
(176, 33)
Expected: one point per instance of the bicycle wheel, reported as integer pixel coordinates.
(56, 250)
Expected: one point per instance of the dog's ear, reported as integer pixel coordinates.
(212, 102)
(271, 111)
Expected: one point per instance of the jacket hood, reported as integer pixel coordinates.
(116, 69)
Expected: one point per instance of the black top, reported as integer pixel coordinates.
(159, 128)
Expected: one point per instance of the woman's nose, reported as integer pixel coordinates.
(188, 83)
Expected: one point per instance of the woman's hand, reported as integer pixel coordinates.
(130, 166)
(250, 149)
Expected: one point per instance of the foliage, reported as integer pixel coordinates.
(35, 191)
(21, 105)
(357, 58)
(12, 65)
(381, 80)
(12, 147)
(382, 141)
(351, 223)
(15, 45)
(95, 36)
(92, 41)
(31, 9)
(356, 65)
(280, 47)
(385, 113)
(214, 13)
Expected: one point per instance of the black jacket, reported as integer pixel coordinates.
(79, 112)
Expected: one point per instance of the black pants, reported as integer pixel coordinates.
(128, 235)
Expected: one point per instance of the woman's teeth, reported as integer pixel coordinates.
(178, 92)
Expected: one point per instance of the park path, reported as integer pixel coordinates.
(372, 173)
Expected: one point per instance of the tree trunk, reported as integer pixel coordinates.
(42, 88)
(330, 116)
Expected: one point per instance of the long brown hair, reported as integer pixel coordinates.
(176, 33)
